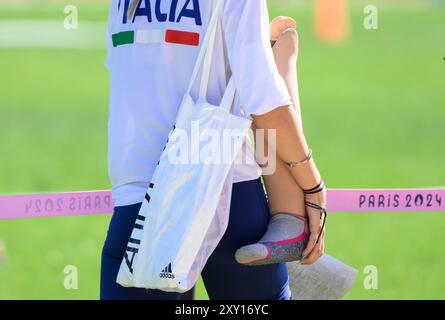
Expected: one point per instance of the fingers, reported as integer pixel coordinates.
(310, 245)
(316, 253)
(315, 208)
(280, 24)
(314, 229)
(313, 256)
(321, 242)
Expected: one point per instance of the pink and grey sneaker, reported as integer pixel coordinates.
(286, 238)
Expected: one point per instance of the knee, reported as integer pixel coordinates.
(287, 44)
(291, 37)
(281, 24)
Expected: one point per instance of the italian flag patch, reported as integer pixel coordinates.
(156, 36)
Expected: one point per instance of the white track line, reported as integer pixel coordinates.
(51, 34)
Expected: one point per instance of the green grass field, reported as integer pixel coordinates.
(374, 115)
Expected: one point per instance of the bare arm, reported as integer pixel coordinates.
(290, 143)
(291, 146)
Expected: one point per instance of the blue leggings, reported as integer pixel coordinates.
(223, 277)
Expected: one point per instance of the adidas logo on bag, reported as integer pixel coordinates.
(167, 272)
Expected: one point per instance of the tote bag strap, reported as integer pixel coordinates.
(205, 54)
(204, 61)
(229, 95)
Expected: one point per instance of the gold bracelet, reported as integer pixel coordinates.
(292, 165)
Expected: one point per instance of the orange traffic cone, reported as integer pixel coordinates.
(331, 21)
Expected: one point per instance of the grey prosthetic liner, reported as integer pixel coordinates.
(286, 238)
(326, 279)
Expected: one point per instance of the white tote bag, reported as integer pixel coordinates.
(186, 209)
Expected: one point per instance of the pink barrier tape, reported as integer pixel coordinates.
(55, 204)
(339, 200)
(386, 200)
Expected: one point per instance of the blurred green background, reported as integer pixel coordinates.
(373, 109)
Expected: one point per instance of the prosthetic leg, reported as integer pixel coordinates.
(286, 236)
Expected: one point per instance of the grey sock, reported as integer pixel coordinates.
(285, 240)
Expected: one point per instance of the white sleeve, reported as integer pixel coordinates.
(247, 35)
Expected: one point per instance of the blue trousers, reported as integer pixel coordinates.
(223, 277)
